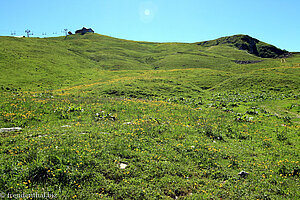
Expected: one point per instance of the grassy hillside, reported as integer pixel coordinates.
(57, 62)
(116, 119)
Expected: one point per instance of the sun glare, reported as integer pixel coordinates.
(147, 12)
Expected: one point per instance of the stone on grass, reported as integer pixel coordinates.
(105, 133)
(128, 123)
(243, 174)
(42, 135)
(123, 165)
(10, 129)
(65, 126)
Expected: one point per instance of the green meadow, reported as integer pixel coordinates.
(108, 118)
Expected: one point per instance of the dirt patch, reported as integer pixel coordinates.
(247, 61)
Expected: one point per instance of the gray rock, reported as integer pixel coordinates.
(105, 133)
(10, 129)
(65, 126)
(128, 123)
(42, 135)
(243, 174)
(123, 165)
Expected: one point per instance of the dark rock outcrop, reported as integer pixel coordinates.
(252, 45)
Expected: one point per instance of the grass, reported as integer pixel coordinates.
(185, 119)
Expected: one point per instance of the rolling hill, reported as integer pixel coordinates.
(56, 62)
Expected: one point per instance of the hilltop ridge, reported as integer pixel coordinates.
(248, 43)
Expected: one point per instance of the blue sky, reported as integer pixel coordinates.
(273, 21)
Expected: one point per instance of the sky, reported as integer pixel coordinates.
(273, 21)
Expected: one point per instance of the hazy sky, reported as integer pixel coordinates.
(273, 21)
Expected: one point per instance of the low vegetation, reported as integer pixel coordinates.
(116, 119)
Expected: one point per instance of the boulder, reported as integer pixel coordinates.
(243, 174)
(10, 129)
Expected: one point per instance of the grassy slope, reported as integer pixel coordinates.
(196, 120)
(55, 61)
